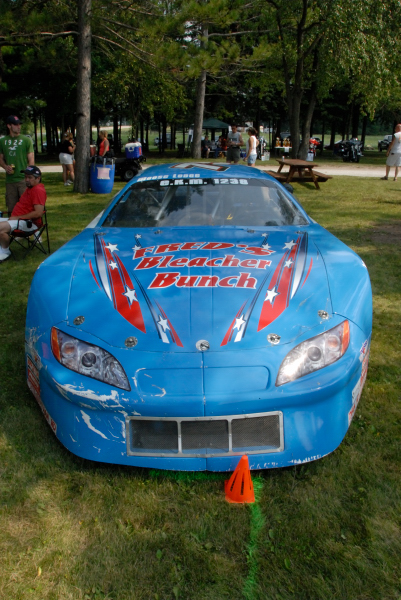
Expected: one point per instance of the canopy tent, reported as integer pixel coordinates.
(214, 124)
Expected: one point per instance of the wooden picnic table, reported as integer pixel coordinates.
(300, 170)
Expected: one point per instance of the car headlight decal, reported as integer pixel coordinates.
(314, 354)
(88, 359)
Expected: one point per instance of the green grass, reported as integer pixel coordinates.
(328, 530)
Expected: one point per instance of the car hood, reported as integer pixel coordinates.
(176, 289)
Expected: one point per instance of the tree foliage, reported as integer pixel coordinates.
(175, 59)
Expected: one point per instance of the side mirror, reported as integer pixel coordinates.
(288, 187)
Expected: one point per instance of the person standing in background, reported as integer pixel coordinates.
(103, 143)
(16, 153)
(234, 143)
(394, 154)
(66, 158)
(251, 146)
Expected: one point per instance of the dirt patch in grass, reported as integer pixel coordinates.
(387, 233)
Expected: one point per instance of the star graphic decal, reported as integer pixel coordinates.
(288, 263)
(266, 246)
(163, 324)
(130, 294)
(136, 247)
(112, 247)
(113, 265)
(289, 245)
(271, 294)
(238, 323)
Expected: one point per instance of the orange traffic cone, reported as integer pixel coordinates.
(239, 488)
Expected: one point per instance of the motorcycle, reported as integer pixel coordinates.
(261, 149)
(350, 150)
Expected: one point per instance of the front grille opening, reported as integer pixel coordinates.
(256, 434)
(154, 436)
(205, 436)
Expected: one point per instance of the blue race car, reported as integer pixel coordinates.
(201, 317)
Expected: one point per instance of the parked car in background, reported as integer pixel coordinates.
(385, 142)
(202, 316)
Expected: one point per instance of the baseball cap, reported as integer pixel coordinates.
(32, 171)
(13, 120)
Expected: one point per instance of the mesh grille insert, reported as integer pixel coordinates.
(205, 436)
(256, 433)
(153, 436)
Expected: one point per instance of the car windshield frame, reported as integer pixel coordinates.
(162, 201)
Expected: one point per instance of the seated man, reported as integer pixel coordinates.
(221, 147)
(206, 145)
(27, 213)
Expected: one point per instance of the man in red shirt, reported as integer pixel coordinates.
(27, 213)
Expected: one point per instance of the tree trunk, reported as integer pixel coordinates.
(333, 134)
(307, 127)
(81, 184)
(323, 130)
(41, 132)
(355, 121)
(48, 133)
(364, 126)
(294, 109)
(200, 104)
(199, 109)
(117, 141)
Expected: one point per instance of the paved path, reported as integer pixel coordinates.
(356, 170)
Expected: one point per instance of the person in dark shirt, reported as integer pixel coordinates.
(206, 146)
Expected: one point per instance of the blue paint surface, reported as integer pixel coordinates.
(200, 262)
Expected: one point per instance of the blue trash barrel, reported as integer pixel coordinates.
(102, 176)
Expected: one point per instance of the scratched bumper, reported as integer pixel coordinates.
(90, 418)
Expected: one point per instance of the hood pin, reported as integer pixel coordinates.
(130, 342)
(202, 345)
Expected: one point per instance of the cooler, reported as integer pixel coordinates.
(102, 176)
(133, 150)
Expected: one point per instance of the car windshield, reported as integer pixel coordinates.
(204, 202)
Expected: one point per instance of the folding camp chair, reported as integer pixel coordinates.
(29, 240)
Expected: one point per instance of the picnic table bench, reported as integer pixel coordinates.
(300, 170)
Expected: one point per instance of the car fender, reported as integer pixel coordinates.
(348, 279)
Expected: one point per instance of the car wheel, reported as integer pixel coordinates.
(129, 173)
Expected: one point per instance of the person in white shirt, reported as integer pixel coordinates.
(394, 154)
(251, 145)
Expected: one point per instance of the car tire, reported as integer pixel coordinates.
(380, 147)
(128, 174)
